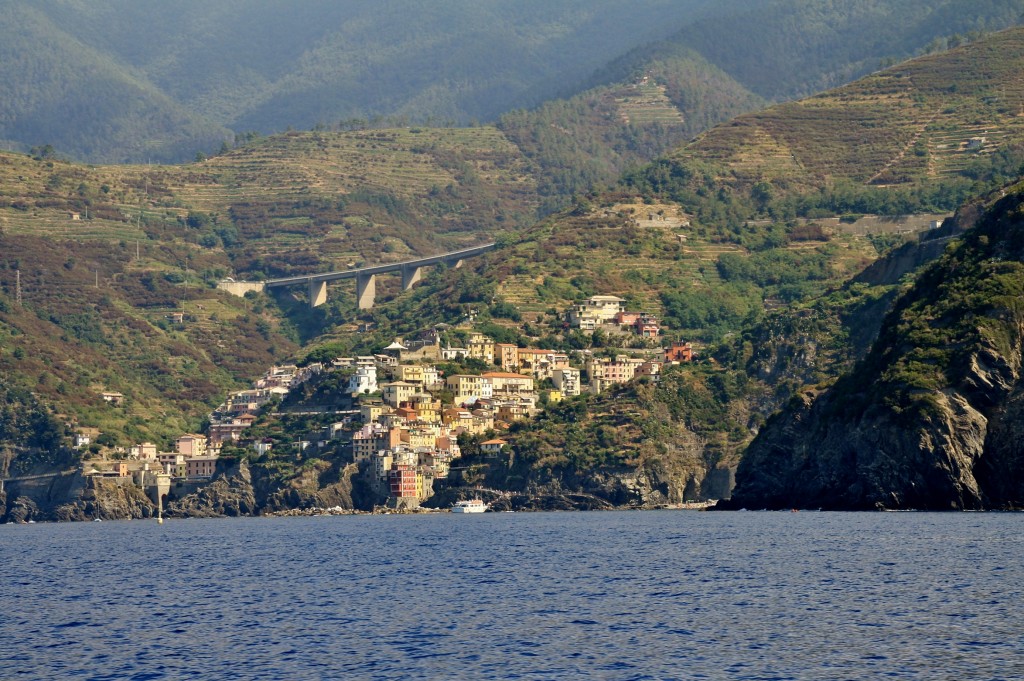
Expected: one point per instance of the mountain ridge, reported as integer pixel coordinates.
(189, 76)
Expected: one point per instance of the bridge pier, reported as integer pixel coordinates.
(366, 290)
(317, 293)
(411, 275)
(366, 284)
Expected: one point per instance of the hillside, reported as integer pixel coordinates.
(677, 438)
(99, 280)
(159, 82)
(52, 77)
(806, 46)
(240, 66)
(364, 195)
(925, 134)
(767, 297)
(591, 139)
(105, 255)
(931, 418)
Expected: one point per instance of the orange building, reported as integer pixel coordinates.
(679, 352)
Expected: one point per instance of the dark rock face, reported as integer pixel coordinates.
(23, 510)
(309, 491)
(230, 493)
(875, 461)
(933, 418)
(106, 500)
(74, 497)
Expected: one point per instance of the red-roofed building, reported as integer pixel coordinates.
(492, 446)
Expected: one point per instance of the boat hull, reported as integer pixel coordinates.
(469, 507)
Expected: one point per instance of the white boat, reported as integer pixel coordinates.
(469, 506)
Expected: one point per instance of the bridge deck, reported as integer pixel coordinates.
(380, 269)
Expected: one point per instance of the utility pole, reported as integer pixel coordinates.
(17, 287)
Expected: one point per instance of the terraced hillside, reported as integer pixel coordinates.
(108, 273)
(291, 203)
(919, 121)
(591, 138)
(364, 196)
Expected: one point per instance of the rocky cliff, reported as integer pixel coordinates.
(71, 496)
(235, 490)
(930, 419)
(319, 487)
(230, 493)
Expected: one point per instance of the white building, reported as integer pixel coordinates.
(595, 310)
(567, 381)
(364, 380)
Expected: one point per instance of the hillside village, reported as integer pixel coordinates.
(405, 415)
(111, 327)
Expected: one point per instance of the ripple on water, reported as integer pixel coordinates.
(518, 596)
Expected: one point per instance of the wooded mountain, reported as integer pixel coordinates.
(119, 80)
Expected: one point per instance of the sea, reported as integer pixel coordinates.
(596, 595)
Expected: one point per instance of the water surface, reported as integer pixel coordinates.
(624, 595)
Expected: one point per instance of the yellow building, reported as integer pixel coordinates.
(411, 373)
(419, 437)
(397, 392)
(506, 355)
(469, 388)
(481, 347)
(427, 408)
(372, 411)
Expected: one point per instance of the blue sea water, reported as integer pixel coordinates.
(623, 595)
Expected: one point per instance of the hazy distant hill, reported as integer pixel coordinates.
(111, 80)
(785, 49)
(61, 91)
(270, 65)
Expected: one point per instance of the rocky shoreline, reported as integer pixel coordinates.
(238, 490)
(233, 494)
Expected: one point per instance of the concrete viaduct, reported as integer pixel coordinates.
(366, 277)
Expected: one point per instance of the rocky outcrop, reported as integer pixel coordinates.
(22, 510)
(106, 500)
(323, 486)
(932, 418)
(807, 458)
(72, 496)
(230, 493)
